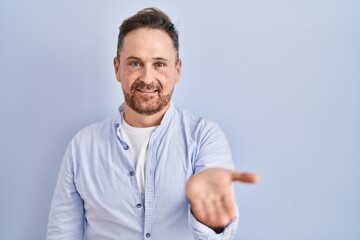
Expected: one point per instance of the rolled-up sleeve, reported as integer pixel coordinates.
(203, 232)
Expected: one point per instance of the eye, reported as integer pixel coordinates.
(135, 64)
(160, 64)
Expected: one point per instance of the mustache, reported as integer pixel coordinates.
(140, 85)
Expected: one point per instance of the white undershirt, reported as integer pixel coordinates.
(138, 140)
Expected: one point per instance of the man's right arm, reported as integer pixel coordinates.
(66, 219)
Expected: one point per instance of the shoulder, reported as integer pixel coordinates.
(211, 147)
(97, 131)
(194, 121)
(199, 127)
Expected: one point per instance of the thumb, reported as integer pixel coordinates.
(245, 177)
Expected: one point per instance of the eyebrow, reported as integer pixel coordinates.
(160, 59)
(156, 58)
(133, 57)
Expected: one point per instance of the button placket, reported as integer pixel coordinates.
(149, 192)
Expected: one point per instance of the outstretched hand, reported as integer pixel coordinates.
(211, 195)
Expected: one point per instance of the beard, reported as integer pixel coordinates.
(147, 105)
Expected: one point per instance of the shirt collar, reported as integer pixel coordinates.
(167, 116)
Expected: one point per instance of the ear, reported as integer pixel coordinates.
(178, 70)
(116, 68)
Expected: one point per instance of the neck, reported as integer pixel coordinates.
(136, 119)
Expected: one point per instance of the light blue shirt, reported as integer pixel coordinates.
(97, 195)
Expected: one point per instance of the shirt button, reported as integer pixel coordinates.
(126, 147)
(132, 173)
(148, 235)
(138, 205)
(117, 125)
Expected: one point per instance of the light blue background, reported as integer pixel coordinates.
(282, 78)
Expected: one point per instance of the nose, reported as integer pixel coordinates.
(147, 75)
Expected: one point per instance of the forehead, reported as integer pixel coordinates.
(147, 42)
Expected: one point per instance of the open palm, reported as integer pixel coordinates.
(211, 195)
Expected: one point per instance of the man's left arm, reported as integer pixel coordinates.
(213, 211)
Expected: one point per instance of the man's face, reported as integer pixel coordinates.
(148, 70)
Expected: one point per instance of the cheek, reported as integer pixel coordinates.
(127, 79)
(168, 87)
(170, 81)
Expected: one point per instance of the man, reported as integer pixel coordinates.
(153, 171)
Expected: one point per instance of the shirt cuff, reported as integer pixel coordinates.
(201, 231)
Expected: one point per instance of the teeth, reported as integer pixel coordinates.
(147, 91)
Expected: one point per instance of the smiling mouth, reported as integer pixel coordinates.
(147, 90)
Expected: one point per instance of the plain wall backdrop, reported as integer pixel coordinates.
(282, 78)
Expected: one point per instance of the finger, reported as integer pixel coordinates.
(245, 177)
(222, 215)
(217, 217)
(229, 206)
(213, 212)
(199, 210)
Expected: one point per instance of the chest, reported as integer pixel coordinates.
(107, 178)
